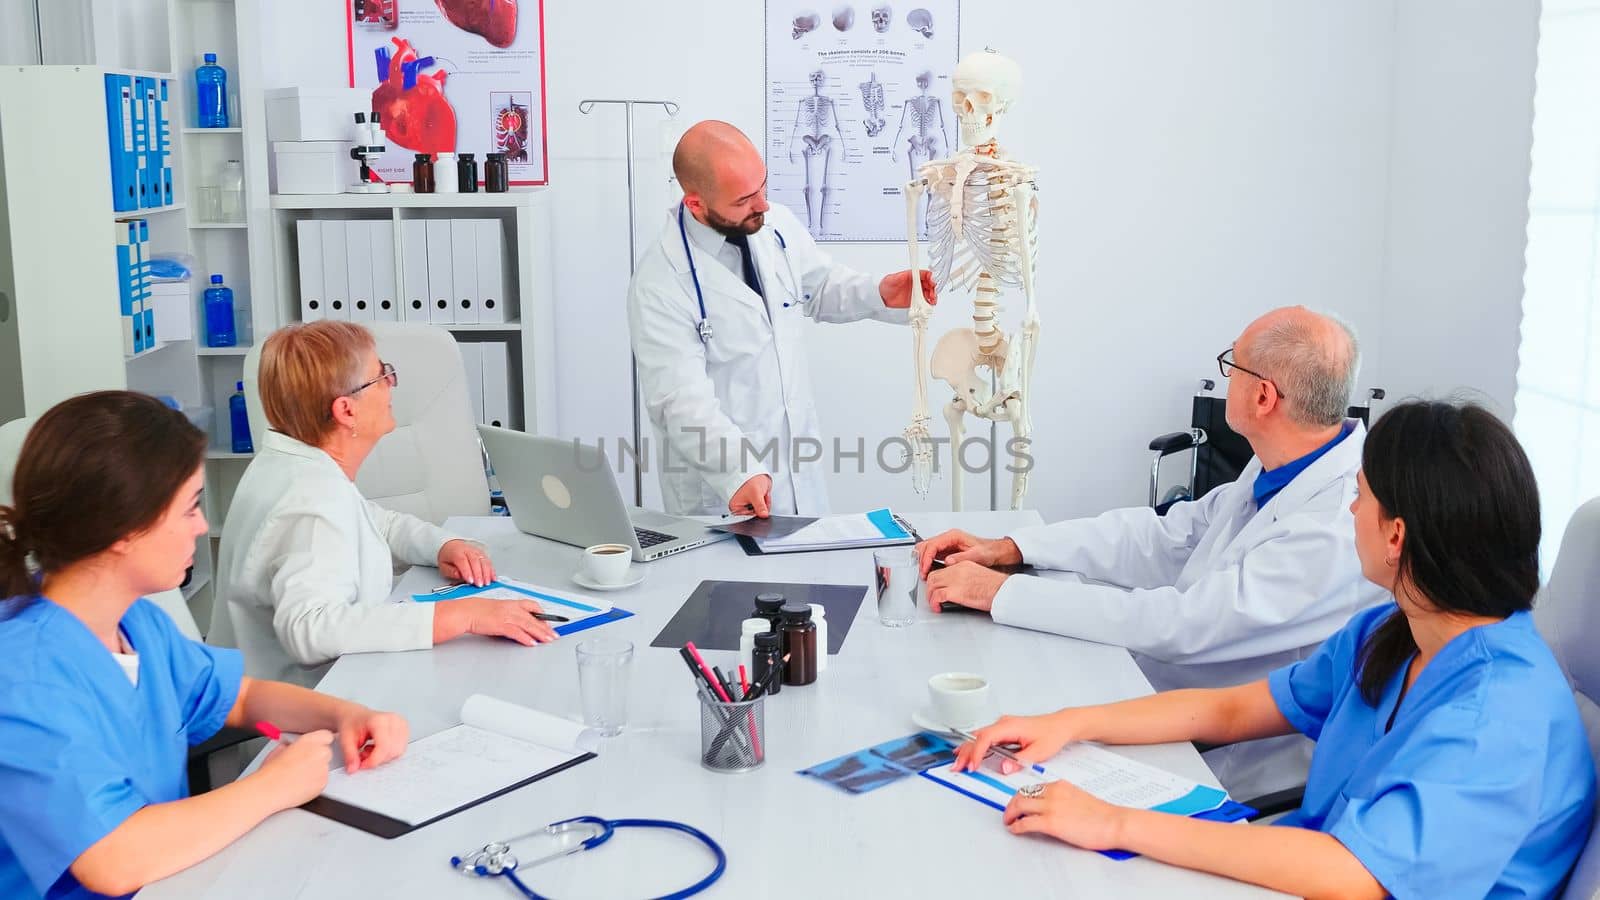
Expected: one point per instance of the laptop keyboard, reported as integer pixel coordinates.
(648, 538)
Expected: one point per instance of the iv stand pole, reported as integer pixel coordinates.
(585, 108)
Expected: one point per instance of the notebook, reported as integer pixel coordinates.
(879, 528)
(497, 748)
(1108, 776)
(585, 612)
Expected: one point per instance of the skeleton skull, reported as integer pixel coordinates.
(844, 18)
(805, 23)
(882, 17)
(984, 87)
(921, 20)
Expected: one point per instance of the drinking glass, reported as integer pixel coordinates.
(605, 667)
(896, 576)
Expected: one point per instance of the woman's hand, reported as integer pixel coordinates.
(514, 619)
(1040, 737)
(368, 738)
(1067, 813)
(299, 769)
(465, 562)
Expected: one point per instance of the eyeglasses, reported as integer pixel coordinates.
(1227, 366)
(386, 372)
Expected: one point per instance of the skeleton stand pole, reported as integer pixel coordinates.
(585, 108)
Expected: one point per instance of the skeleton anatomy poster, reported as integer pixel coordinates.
(858, 97)
(453, 76)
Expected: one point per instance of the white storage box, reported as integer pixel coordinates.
(313, 167)
(315, 114)
(174, 310)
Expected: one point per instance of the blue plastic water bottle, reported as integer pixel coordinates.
(211, 90)
(219, 315)
(240, 420)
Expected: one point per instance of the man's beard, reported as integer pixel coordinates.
(728, 228)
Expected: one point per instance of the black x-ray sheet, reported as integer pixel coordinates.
(711, 615)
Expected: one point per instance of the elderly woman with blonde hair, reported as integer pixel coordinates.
(307, 562)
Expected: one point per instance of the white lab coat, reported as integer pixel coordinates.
(307, 564)
(750, 382)
(1213, 594)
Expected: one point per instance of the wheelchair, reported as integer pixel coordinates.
(1217, 453)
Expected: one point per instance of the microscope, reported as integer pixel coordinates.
(368, 146)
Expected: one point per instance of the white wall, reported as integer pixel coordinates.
(1200, 163)
(19, 33)
(1458, 197)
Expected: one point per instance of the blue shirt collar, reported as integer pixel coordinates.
(1270, 481)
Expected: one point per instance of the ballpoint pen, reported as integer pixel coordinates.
(996, 748)
(550, 617)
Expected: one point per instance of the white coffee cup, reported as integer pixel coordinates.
(960, 699)
(606, 564)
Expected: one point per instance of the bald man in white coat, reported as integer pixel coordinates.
(1224, 589)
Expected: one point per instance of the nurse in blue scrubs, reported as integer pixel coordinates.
(1450, 759)
(100, 695)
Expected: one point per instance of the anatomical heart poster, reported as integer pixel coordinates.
(858, 97)
(453, 76)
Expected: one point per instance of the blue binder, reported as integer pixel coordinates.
(127, 237)
(119, 133)
(143, 305)
(164, 140)
(141, 141)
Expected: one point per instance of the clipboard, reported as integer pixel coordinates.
(751, 548)
(613, 614)
(388, 828)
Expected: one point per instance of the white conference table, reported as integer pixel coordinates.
(785, 835)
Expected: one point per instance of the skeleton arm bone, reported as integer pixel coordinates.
(894, 146)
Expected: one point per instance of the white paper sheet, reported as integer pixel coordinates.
(497, 745)
(1106, 775)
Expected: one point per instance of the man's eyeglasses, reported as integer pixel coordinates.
(1226, 366)
(386, 372)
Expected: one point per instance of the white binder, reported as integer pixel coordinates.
(441, 285)
(491, 249)
(414, 271)
(464, 270)
(496, 385)
(313, 303)
(472, 361)
(335, 270)
(385, 299)
(358, 250)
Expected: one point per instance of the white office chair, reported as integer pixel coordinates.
(431, 466)
(1567, 612)
(11, 436)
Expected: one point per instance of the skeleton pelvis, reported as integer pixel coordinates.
(956, 360)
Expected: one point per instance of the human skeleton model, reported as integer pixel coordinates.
(872, 105)
(982, 231)
(924, 114)
(813, 121)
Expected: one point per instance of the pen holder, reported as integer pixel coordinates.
(733, 736)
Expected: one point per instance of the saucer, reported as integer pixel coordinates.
(925, 719)
(635, 576)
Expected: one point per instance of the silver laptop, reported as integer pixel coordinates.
(568, 493)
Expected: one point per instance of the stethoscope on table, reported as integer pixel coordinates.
(705, 324)
(574, 836)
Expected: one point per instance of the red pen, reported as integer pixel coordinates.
(272, 732)
(744, 684)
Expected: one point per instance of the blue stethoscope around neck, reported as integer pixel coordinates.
(705, 324)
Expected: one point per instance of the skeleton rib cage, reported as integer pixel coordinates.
(985, 217)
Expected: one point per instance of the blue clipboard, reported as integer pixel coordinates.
(616, 613)
(1229, 811)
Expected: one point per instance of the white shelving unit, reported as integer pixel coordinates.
(60, 332)
(529, 328)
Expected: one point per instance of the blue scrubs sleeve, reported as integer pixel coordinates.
(1451, 810)
(60, 790)
(1306, 691)
(207, 681)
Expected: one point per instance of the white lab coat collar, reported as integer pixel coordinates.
(279, 442)
(1344, 456)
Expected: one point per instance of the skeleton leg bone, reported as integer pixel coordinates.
(917, 436)
(954, 413)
